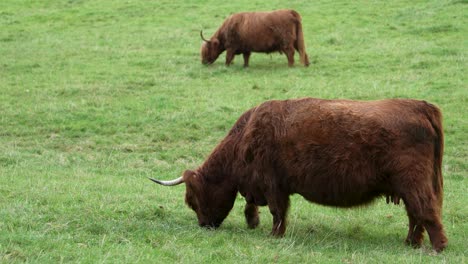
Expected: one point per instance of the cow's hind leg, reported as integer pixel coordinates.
(289, 51)
(246, 58)
(415, 233)
(278, 203)
(424, 213)
(436, 233)
(251, 215)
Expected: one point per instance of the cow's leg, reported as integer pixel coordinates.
(251, 215)
(424, 212)
(229, 56)
(415, 233)
(278, 204)
(290, 55)
(246, 58)
(435, 229)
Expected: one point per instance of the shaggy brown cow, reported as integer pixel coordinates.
(243, 33)
(340, 153)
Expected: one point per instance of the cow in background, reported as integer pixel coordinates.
(243, 33)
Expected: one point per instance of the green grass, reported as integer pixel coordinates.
(97, 95)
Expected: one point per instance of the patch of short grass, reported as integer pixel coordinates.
(97, 95)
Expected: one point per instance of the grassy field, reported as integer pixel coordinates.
(95, 96)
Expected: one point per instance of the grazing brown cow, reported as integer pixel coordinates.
(247, 32)
(340, 153)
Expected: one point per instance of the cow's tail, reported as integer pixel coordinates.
(435, 118)
(300, 40)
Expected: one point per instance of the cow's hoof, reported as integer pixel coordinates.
(278, 230)
(439, 247)
(414, 243)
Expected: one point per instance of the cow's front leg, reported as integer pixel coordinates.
(246, 58)
(279, 205)
(251, 215)
(229, 56)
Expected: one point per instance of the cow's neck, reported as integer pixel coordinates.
(218, 166)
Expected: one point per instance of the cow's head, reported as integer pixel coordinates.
(211, 201)
(210, 50)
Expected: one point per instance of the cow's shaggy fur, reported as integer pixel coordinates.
(339, 153)
(243, 33)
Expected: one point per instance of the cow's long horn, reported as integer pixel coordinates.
(169, 183)
(203, 38)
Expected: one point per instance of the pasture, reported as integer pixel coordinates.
(96, 96)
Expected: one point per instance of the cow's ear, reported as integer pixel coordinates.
(192, 180)
(189, 175)
(215, 43)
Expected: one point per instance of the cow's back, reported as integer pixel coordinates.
(334, 152)
(260, 31)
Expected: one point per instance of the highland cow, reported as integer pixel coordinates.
(340, 153)
(243, 33)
